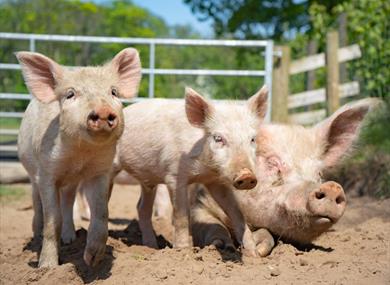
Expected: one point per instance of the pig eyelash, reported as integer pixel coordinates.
(114, 92)
(70, 94)
(219, 139)
(321, 176)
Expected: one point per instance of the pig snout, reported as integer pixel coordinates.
(102, 119)
(245, 180)
(327, 202)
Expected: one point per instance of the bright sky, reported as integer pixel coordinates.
(175, 12)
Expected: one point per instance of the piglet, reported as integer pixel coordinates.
(179, 143)
(67, 137)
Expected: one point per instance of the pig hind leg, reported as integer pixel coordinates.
(145, 211)
(37, 223)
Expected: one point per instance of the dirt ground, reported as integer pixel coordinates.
(355, 251)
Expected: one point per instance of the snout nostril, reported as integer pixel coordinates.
(240, 182)
(111, 117)
(253, 182)
(340, 199)
(93, 116)
(320, 195)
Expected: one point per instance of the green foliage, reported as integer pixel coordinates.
(120, 19)
(367, 26)
(258, 18)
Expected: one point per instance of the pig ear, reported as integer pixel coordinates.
(40, 74)
(258, 102)
(197, 108)
(341, 130)
(128, 66)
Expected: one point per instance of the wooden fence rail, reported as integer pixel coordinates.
(330, 94)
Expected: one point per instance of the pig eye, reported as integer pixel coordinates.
(114, 92)
(253, 140)
(70, 94)
(219, 139)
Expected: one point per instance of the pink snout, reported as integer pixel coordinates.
(102, 119)
(327, 202)
(245, 180)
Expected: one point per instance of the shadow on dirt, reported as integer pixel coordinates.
(132, 234)
(73, 253)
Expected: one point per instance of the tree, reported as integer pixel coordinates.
(257, 18)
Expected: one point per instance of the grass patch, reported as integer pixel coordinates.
(11, 192)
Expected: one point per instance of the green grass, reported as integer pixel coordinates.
(11, 192)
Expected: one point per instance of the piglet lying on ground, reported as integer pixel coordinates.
(68, 136)
(291, 200)
(197, 142)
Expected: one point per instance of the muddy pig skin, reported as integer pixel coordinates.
(68, 137)
(196, 141)
(291, 199)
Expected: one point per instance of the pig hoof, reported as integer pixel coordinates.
(221, 244)
(48, 262)
(68, 237)
(94, 254)
(249, 252)
(150, 243)
(263, 250)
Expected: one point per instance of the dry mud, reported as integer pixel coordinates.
(355, 251)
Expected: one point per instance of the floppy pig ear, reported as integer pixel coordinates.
(128, 66)
(258, 102)
(341, 130)
(40, 74)
(197, 108)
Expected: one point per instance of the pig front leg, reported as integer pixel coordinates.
(224, 196)
(145, 211)
(178, 190)
(264, 242)
(51, 221)
(96, 191)
(68, 233)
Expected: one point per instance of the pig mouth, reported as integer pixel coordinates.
(323, 221)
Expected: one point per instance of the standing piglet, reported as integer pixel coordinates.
(291, 201)
(197, 142)
(68, 136)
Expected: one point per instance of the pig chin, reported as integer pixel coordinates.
(302, 226)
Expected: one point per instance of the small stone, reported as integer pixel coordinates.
(274, 271)
(198, 257)
(345, 239)
(303, 262)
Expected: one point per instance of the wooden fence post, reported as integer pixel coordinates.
(332, 72)
(280, 86)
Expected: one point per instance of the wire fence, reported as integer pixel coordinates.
(265, 51)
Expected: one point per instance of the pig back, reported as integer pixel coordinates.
(157, 135)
